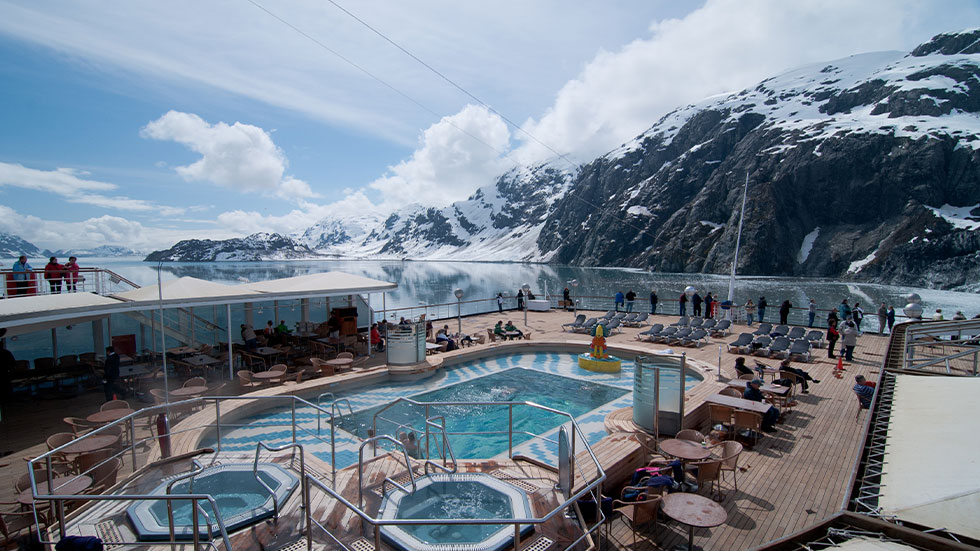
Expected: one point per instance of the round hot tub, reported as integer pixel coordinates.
(455, 496)
(241, 500)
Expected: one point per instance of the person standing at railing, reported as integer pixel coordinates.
(812, 313)
(891, 318)
(630, 300)
(520, 299)
(22, 275)
(500, 302)
(762, 309)
(784, 309)
(882, 318)
(749, 311)
(54, 273)
(71, 275)
(653, 302)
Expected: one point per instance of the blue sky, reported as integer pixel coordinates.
(138, 124)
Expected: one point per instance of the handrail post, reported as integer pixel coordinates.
(217, 421)
(293, 407)
(132, 441)
(196, 525)
(510, 431)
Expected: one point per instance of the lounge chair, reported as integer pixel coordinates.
(764, 329)
(585, 327)
(741, 343)
(760, 345)
(708, 324)
(721, 328)
(780, 331)
(611, 326)
(579, 320)
(816, 338)
(650, 333)
(640, 320)
(619, 315)
(779, 346)
(629, 319)
(796, 333)
(665, 334)
(800, 348)
(683, 321)
(695, 339)
(680, 335)
(696, 322)
(609, 314)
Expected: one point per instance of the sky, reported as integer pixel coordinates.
(136, 123)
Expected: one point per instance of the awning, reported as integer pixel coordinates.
(318, 285)
(188, 292)
(931, 473)
(34, 313)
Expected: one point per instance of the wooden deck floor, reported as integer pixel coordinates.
(788, 480)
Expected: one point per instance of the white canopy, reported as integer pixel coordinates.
(322, 284)
(862, 543)
(932, 456)
(189, 291)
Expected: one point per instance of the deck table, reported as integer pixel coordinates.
(694, 511)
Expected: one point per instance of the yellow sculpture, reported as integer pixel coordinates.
(599, 344)
(597, 359)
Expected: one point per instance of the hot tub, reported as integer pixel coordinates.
(455, 496)
(240, 498)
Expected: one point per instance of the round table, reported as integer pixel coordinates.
(63, 485)
(685, 449)
(693, 510)
(188, 391)
(109, 415)
(268, 375)
(90, 444)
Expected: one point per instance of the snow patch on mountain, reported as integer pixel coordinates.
(807, 246)
(959, 217)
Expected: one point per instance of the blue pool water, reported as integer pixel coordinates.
(574, 396)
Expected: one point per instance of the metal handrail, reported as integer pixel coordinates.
(447, 448)
(302, 467)
(360, 468)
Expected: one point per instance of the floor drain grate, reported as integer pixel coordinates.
(109, 533)
(539, 544)
(298, 545)
(362, 544)
(526, 486)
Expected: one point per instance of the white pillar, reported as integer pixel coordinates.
(98, 337)
(231, 357)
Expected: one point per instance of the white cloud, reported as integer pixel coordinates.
(238, 156)
(70, 185)
(456, 156)
(722, 46)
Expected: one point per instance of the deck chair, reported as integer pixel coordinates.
(195, 381)
(609, 314)
(708, 473)
(760, 345)
(666, 334)
(78, 425)
(491, 335)
(114, 404)
(637, 513)
(781, 330)
(749, 420)
(740, 344)
(779, 346)
(579, 320)
(796, 333)
(683, 321)
(800, 349)
(680, 335)
(245, 379)
(709, 324)
(730, 450)
(586, 327)
(640, 320)
(696, 322)
(729, 391)
(630, 318)
(612, 326)
(721, 328)
(695, 339)
(724, 415)
(690, 435)
(651, 332)
(816, 338)
(764, 329)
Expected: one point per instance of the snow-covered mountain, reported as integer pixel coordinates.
(12, 246)
(100, 252)
(258, 246)
(866, 167)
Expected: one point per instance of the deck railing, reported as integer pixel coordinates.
(100, 281)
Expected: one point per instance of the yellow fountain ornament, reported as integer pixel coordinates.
(597, 359)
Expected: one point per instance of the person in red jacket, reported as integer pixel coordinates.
(71, 275)
(54, 273)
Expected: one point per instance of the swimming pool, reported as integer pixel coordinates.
(517, 384)
(272, 426)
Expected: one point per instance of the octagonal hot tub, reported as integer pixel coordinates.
(455, 496)
(240, 498)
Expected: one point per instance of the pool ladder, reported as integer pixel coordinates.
(447, 451)
(302, 467)
(195, 505)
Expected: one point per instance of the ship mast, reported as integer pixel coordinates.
(738, 240)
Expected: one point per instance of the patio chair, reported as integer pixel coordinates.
(611, 327)
(764, 329)
(491, 336)
(861, 405)
(87, 463)
(747, 377)
(796, 333)
(816, 338)
(690, 435)
(322, 366)
(666, 334)
(640, 320)
(741, 343)
(629, 319)
(729, 391)
(587, 326)
(680, 335)
(683, 321)
(78, 425)
(651, 332)
(760, 345)
(579, 320)
(695, 339)
(718, 414)
(729, 452)
(748, 420)
(637, 513)
(779, 346)
(800, 349)
(245, 379)
(195, 381)
(780, 330)
(114, 404)
(708, 473)
(59, 439)
(721, 328)
(609, 314)
(15, 525)
(104, 474)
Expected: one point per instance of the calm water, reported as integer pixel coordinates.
(434, 282)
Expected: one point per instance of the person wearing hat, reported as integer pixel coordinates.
(753, 391)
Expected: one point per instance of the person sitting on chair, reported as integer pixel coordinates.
(740, 366)
(753, 392)
(803, 375)
(513, 331)
(442, 337)
(865, 391)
